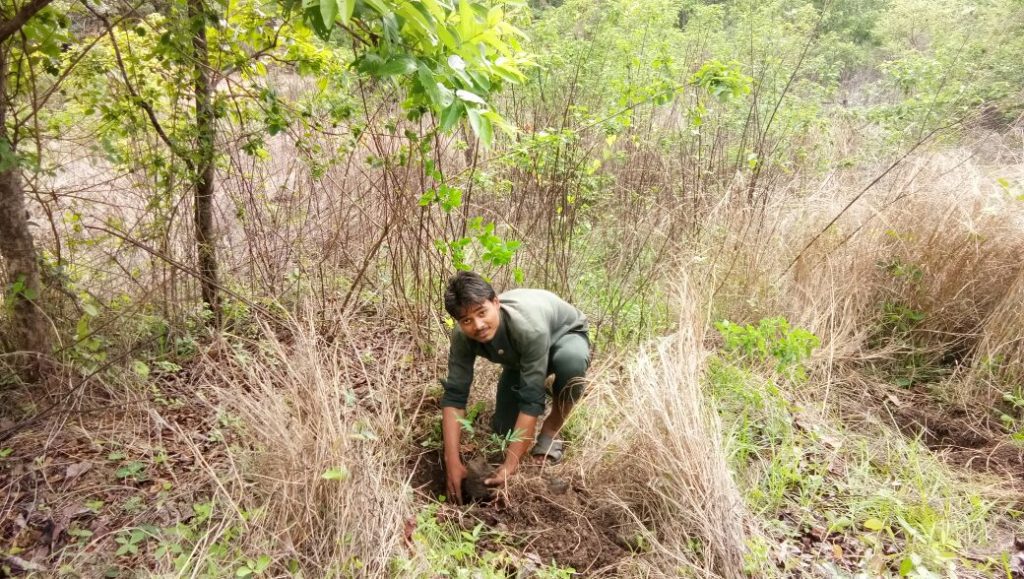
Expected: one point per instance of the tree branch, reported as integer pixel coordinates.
(143, 103)
(9, 27)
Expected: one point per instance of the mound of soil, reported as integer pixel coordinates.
(544, 511)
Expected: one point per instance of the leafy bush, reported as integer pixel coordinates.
(771, 338)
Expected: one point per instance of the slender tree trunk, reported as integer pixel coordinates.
(205, 247)
(29, 332)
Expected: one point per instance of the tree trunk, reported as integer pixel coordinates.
(30, 332)
(205, 247)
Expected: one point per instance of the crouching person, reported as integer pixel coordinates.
(531, 333)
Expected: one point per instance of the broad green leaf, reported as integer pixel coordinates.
(500, 122)
(494, 16)
(447, 36)
(262, 562)
(415, 14)
(492, 39)
(429, 85)
(434, 9)
(456, 62)
(467, 21)
(328, 11)
(90, 310)
(481, 126)
(347, 7)
(451, 115)
(470, 97)
(399, 65)
(378, 6)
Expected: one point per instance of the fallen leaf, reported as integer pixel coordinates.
(76, 470)
(837, 551)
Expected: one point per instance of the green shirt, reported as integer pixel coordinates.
(532, 320)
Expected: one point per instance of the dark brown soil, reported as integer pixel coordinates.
(473, 488)
(961, 443)
(544, 511)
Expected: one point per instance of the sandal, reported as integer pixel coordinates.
(549, 448)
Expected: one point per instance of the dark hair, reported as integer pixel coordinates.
(466, 289)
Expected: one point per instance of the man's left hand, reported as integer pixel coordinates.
(501, 475)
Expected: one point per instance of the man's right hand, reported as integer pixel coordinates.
(456, 473)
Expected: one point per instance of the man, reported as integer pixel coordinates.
(531, 333)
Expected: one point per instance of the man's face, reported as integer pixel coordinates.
(479, 322)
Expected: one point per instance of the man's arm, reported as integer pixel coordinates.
(454, 469)
(453, 407)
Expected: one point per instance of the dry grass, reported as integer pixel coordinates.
(308, 406)
(659, 457)
(928, 263)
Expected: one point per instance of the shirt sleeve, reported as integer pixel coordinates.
(460, 372)
(533, 370)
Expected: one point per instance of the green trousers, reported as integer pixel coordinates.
(568, 360)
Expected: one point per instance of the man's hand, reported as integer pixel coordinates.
(455, 470)
(456, 473)
(503, 473)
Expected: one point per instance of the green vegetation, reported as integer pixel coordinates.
(794, 225)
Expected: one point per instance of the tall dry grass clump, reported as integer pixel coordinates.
(926, 264)
(660, 458)
(319, 449)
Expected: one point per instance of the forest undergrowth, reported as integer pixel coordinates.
(796, 229)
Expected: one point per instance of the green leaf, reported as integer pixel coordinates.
(377, 5)
(90, 310)
(467, 20)
(481, 126)
(347, 8)
(470, 97)
(141, 368)
(130, 470)
(328, 12)
(428, 197)
(340, 474)
(906, 566)
(874, 524)
(399, 65)
(429, 85)
(456, 62)
(451, 115)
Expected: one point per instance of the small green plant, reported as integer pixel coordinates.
(904, 271)
(254, 566)
(129, 542)
(448, 551)
(899, 319)
(724, 81)
(499, 444)
(771, 338)
(134, 470)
